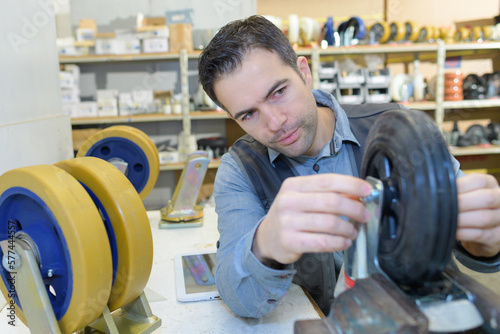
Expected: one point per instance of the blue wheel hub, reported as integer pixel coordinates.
(116, 148)
(22, 210)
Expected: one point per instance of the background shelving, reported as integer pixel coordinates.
(408, 53)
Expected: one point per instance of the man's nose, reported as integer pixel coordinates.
(275, 118)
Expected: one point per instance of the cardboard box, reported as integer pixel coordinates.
(107, 107)
(128, 46)
(156, 33)
(154, 45)
(105, 46)
(81, 135)
(88, 109)
(107, 102)
(181, 37)
(118, 46)
(71, 109)
(67, 80)
(70, 95)
(126, 104)
(151, 23)
(88, 24)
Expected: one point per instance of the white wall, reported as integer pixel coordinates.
(207, 14)
(33, 129)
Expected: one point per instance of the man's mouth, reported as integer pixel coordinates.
(289, 138)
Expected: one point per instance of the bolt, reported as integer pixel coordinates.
(374, 196)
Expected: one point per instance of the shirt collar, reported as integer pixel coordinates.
(342, 129)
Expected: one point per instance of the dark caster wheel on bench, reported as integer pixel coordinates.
(406, 151)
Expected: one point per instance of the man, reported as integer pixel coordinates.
(273, 232)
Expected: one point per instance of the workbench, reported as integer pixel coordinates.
(211, 316)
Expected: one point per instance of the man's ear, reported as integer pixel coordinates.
(305, 70)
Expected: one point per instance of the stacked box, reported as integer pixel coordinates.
(328, 77)
(107, 102)
(69, 79)
(360, 86)
(350, 89)
(377, 88)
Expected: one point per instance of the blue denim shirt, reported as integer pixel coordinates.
(248, 287)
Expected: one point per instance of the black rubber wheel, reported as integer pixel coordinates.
(406, 151)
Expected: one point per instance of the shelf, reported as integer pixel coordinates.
(487, 103)
(124, 58)
(180, 166)
(199, 115)
(215, 114)
(423, 105)
(385, 48)
(473, 104)
(475, 150)
(473, 46)
(301, 51)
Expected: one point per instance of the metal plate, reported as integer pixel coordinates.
(406, 151)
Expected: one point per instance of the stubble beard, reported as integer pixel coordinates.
(307, 128)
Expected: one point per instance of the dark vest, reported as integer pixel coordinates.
(316, 272)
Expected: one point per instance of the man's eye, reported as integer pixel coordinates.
(280, 91)
(247, 115)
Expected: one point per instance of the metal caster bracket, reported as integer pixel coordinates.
(20, 260)
(375, 304)
(27, 284)
(182, 210)
(135, 317)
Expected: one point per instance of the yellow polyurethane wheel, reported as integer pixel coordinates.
(122, 143)
(398, 31)
(387, 32)
(412, 31)
(379, 31)
(477, 33)
(424, 34)
(487, 31)
(462, 34)
(436, 32)
(58, 215)
(126, 221)
(146, 137)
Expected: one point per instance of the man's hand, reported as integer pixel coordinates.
(479, 214)
(305, 217)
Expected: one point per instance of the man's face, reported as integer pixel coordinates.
(272, 103)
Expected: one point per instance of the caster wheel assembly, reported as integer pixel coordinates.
(52, 212)
(418, 219)
(76, 244)
(126, 223)
(130, 150)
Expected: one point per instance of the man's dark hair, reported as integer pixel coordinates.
(226, 50)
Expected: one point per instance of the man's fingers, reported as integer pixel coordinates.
(319, 242)
(338, 183)
(474, 182)
(324, 223)
(326, 203)
(488, 198)
(479, 219)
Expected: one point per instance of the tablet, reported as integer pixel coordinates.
(195, 276)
